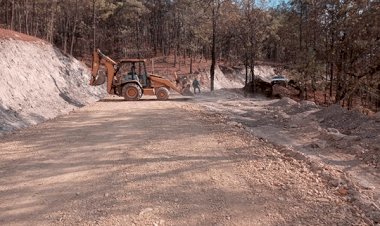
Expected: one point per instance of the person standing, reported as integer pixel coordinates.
(196, 85)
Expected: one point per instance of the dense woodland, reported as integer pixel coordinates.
(329, 46)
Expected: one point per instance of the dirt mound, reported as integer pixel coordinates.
(303, 107)
(284, 102)
(232, 78)
(38, 82)
(352, 127)
(337, 117)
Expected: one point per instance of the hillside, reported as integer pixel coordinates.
(38, 82)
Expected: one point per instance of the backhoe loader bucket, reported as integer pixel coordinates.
(100, 79)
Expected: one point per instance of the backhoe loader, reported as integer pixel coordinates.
(129, 78)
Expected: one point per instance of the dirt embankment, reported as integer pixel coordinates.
(38, 82)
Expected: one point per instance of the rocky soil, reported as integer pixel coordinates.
(344, 142)
(38, 82)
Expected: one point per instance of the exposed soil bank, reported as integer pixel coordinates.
(38, 82)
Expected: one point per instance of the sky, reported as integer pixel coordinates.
(274, 3)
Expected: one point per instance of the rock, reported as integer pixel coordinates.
(333, 130)
(377, 117)
(315, 166)
(323, 200)
(351, 198)
(318, 144)
(351, 138)
(359, 149)
(237, 124)
(334, 182)
(321, 143)
(313, 145)
(375, 216)
(335, 134)
(293, 126)
(106, 195)
(307, 103)
(144, 211)
(343, 191)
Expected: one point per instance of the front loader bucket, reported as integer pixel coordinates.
(186, 91)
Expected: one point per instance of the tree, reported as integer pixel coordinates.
(331, 46)
(215, 7)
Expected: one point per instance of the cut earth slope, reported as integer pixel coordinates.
(38, 82)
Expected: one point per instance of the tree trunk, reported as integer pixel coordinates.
(252, 68)
(246, 69)
(65, 33)
(94, 25)
(50, 32)
(12, 14)
(213, 48)
(6, 13)
(26, 17)
(34, 20)
(179, 60)
(175, 55)
(138, 39)
(74, 28)
(184, 57)
(300, 26)
(191, 62)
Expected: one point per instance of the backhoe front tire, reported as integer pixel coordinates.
(162, 93)
(131, 92)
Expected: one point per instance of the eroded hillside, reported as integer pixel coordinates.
(38, 82)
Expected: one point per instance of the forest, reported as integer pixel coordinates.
(329, 46)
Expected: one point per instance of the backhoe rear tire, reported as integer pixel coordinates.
(131, 92)
(162, 93)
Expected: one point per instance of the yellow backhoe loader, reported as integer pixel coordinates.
(129, 78)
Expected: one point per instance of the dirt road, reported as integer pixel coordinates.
(158, 163)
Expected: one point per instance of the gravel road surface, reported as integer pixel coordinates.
(159, 163)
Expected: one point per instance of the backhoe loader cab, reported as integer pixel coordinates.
(129, 78)
(132, 70)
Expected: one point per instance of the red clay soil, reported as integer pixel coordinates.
(9, 34)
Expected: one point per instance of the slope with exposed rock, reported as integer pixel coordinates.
(38, 82)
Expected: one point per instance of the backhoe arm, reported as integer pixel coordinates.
(95, 67)
(99, 79)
